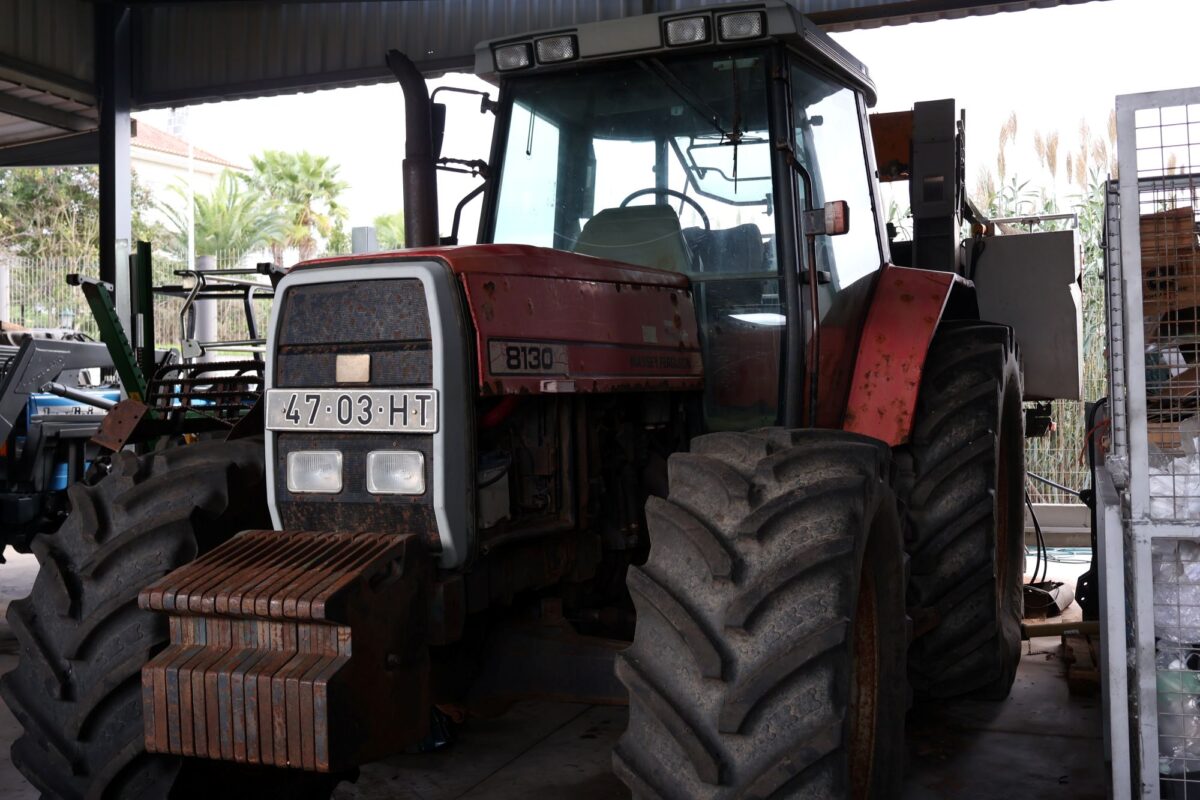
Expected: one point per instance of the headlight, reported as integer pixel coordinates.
(689, 30)
(314, 471)
(514, 56)
(395, 472)
(743, 25)
(556, 48)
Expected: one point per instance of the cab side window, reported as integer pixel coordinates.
(535, 146)
(829, 143)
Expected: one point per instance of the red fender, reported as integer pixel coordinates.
(904, 314)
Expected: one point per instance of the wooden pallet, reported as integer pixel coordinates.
(1081, 658)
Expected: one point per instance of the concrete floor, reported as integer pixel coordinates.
(1040, 743)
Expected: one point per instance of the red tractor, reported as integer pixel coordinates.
(679, 434)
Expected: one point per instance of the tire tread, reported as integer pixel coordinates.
(758, 547)
(952, 457)
(163, 509)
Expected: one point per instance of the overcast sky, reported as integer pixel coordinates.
(1053, 67)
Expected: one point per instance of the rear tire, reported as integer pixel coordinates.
(768, 658)
(964, 472)
(77, 688)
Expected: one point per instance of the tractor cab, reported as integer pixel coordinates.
(698, 143)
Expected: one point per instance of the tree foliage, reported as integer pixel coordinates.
(55, 211)
(289, 201)
(338, 243)
(230, 222)
(389, 231)
(303, 190)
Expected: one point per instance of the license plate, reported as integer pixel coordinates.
(387, 410)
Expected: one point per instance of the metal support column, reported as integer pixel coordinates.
(113, 76)
(1114, 638)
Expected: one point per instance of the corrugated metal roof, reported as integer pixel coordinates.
(211, 51)
(48, 44)
(46, 65)
(187, 52)
(28, 114)
(848, 15)
(196, 52)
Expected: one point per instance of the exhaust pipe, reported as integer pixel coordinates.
(420, 175)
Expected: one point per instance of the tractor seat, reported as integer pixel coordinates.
(648, 236)
(737, 249)
(729, 252)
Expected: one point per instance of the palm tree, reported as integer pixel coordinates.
(304, 190)
(230, 222)
(389, 231)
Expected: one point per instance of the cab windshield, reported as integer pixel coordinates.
(660, 162)
(666, 162)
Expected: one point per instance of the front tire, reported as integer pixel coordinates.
(768, 658)
(77, 688)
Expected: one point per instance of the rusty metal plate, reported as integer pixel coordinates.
(120, 423)
(301, 650)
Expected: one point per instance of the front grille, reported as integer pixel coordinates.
(392, 365)
(389, 319)
(391, 310)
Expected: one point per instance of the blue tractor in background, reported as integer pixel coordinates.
(55, 389)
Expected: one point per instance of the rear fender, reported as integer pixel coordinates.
(905, 311)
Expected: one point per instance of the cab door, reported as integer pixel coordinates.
(834, 164)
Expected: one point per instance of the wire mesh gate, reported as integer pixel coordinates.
(1150, 489)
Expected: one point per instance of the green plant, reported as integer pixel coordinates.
(230, 222)
(1060, 455)
(339, 242)
(54, 212)
(304, 190)
(389, 230)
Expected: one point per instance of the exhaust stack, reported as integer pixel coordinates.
(420, 174)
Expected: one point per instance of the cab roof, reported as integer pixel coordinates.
(647, 35)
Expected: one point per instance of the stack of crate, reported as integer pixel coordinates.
(1170, 254)
(1148, 484)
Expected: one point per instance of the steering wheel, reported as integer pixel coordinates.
(673, 193)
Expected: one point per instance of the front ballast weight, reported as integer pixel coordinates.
(301, 650)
